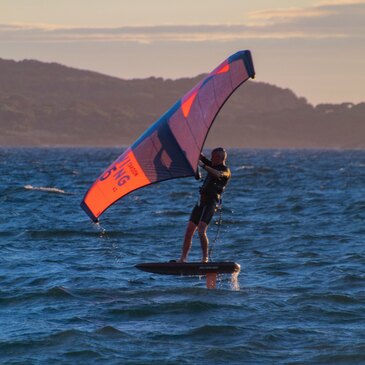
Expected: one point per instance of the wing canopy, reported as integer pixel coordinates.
(170, 148)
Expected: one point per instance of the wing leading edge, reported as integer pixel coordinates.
(170, 148)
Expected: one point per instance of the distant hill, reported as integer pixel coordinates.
(47, 104)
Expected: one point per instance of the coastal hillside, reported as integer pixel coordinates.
(47, 104)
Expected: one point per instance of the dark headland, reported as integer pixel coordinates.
(47, 104)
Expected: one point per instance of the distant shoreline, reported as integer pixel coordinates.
(49, 106)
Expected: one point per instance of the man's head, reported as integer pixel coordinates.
(219, 156)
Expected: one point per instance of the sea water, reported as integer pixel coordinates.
(70, 294)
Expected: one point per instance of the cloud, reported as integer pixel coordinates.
(337, 19)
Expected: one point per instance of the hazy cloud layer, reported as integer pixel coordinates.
(345, 19)
(317, 51)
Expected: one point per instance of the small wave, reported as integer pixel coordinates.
(57, 233)
(202, 332)
(55, 292)
(356, 207)
(334, 298)
(59, 291)
(170, 213)
(352, 279)
(245, 167)
(264, 169)
(110, 331)
(166, 308)
(180, 194)
(42, 341)
(45, 189)
(83, 354)
(212, 330)
(65, 335)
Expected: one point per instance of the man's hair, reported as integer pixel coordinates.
(222, 152)
(219, 149)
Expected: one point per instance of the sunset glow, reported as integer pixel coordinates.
(294, 46)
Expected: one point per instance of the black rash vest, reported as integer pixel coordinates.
(213, 187)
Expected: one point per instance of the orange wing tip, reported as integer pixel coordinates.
(186, 105)
(89, 212)
(223, 69)
(121, 178)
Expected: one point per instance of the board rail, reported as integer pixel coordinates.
(189, 268)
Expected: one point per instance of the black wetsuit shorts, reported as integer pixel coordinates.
(203, 212)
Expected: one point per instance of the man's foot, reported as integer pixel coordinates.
(205, 259)
(181, 261)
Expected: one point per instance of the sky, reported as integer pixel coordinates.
(316, 48)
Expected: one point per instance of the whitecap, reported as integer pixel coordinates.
(46, 189)
(245, 167)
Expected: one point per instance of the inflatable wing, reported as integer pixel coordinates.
(171, 147)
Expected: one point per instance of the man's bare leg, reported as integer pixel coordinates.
(202, 230)
(189, 233)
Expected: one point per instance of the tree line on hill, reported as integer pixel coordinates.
(47, 104)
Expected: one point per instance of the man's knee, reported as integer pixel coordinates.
(202, 228)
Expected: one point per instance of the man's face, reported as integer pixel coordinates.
(216, 158)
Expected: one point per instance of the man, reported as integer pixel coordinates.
(210, 194)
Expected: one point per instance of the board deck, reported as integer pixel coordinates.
(189, 268)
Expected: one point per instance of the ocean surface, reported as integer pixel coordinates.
(70, 294)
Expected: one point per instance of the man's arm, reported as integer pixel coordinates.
(212, 171)
(204, 160)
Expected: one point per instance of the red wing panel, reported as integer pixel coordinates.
(119, 179)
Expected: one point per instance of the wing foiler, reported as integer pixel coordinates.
(171, 147)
